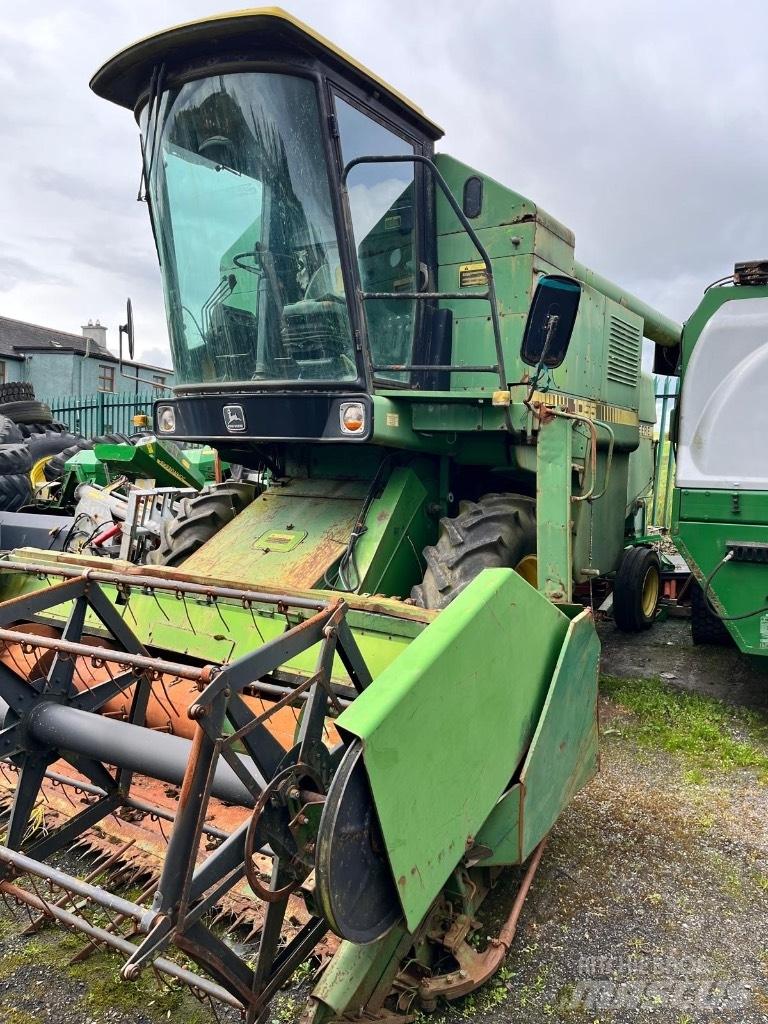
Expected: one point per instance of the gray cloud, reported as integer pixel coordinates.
(15, 271)
(640, 126)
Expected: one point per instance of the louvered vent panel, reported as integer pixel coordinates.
(624, 341)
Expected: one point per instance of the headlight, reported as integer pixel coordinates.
(166, 419)
(352, 417)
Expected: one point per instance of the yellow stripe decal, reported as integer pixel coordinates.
(588, 407)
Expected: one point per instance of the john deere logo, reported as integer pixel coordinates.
(234, 419)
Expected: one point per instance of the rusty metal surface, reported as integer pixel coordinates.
(242, 551)
(59, 686)
(46, 564)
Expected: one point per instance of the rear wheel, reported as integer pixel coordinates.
(706, 628)
(498, 531)
(199, 518)
(636, 590)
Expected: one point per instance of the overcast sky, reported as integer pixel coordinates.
(642, 126)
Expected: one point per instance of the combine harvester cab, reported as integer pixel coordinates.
(721, 486)
(354, 684)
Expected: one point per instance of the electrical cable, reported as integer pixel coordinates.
(348, 559)
(708, 604)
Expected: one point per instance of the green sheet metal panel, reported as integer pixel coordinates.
(562, 758)
(152, 460)
(738, 587)
(501, 831)
(446, 725)
(251, 550)
(398, 526)
(564, 754)
(734, 506)
(554, 537)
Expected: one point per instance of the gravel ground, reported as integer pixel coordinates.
(651, 903)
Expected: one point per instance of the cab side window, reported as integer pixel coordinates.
(382, 208)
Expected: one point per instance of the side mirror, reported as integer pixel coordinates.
(127, 330)
(550, 321)
(666, 360)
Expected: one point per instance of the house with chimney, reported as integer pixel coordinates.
(71, 366)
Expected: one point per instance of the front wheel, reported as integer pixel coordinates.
(636, 590)
(498, 531)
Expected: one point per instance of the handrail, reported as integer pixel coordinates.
(488, 295)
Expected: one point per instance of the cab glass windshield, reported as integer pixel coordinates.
(245, 230)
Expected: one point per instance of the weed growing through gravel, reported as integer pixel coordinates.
(711, 735)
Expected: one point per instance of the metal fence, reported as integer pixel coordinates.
(664, 468)
(102, 413)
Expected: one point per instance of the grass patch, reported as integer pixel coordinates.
(710, 735)
(51, 949)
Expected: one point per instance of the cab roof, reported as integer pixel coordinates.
(125, 77)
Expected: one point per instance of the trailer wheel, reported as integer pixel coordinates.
(498, 531)
(199, 518)
(706, 628)
(636, 590)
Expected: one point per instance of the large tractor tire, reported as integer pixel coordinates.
(28, 430)
(44, 444)
(16, 391)
(199, 518)
(15, 491)
(498, 531)
(27, 411)
(636, 590)
(54, 468)
(706, 628)
(14, 458)
(9, 432)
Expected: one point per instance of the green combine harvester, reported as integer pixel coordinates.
(720, 511)
(356, 685)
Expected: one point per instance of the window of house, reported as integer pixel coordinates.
(2, 371)
(106, 378)
(158, 380)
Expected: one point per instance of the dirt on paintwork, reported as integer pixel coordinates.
(651, 903)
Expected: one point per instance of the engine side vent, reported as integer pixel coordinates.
(624, 341)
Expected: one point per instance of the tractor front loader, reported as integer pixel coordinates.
(353, 685)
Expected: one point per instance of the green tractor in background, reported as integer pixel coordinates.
(436, 408)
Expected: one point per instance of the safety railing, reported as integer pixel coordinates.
(101, 413)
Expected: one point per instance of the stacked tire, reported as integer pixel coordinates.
(54, 468)
(29, 438)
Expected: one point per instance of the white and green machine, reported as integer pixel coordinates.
(721, 484)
